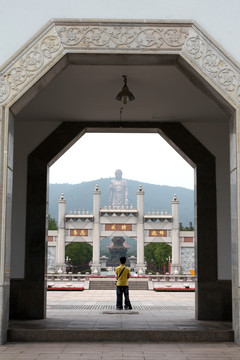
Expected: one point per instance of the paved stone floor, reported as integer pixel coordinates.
(94, 317)
(119, 351)
(86, 310)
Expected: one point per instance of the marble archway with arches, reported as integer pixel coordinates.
(29, 71)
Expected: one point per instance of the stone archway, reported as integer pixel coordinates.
(213, 298)
(196, 55)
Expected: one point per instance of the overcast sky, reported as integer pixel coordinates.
(143, 157)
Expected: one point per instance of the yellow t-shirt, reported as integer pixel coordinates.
(123, 281)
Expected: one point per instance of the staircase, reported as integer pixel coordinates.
(140, 284)
(109, 284)
(102, 284)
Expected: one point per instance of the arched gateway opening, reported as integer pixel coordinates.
(63, 84)
(112, 215)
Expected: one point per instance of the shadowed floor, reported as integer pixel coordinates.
(91, 316)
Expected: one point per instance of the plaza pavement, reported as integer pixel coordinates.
(119, 351)
(93, 310)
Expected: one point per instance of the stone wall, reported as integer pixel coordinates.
(187, 259)
(51, 263)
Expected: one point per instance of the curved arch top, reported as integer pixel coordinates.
(60, 37)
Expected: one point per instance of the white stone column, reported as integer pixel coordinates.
(235, 215)
(176, 256)
(140, 267)
(60, 253)
(96, 266)
(6, 179)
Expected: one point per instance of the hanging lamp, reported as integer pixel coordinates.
(125, 94)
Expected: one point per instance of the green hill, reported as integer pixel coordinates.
(157, 197)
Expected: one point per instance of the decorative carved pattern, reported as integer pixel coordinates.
(195, 46)
(49, 46)
(4, 90)
(28, 66)
(123, 37)
(214, 64)
(16, 77)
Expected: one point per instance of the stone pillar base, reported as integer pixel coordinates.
(60, 267)
(140, 269)
(27, 299)
(214, 300)
(4, 312)
(96, 269)
(176, 269)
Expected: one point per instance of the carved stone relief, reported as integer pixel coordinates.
(51, 259)
(187, 259)
(62, 37)
(29, 65)
(123, 37)
(214, 64)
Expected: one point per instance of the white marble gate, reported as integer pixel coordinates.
(90, 227)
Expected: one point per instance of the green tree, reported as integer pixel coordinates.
(149, 251)
(191, 228)
(52, 225)
(186, 228)
(181, 228)
(79, 254)
(157, 255)
(162, 253)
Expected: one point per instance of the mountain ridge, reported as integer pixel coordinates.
(156, 197)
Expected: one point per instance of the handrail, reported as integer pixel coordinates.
(172, 277)
(67, 277)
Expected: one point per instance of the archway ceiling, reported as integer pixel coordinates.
(87, 93)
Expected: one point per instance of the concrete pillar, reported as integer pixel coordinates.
(235, 211)
(176, 261)
(6, 179)
(96, 266)
(60, 254)
(140, 267)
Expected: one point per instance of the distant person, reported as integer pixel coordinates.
(118, 190)
(122, 275)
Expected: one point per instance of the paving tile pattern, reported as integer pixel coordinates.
(155, 311)
(112, 307)
(86, 312)
(119, 351)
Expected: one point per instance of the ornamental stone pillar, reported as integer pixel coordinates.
(140, 267)
(60, 253)
(176, 261)
(96, 265)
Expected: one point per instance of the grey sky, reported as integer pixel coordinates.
(143, 157)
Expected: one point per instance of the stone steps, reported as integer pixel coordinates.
(113, 335)
(138, 285)
(102, 284)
